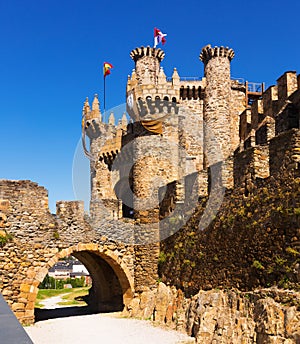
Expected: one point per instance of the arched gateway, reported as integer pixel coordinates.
(112, 286)
(33, 240)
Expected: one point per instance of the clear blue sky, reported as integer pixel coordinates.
(52, 53)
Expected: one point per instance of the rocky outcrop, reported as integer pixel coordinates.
(224, 316)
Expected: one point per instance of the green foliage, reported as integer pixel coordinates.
(5, 239)
(55, 235)
(280, 261)
(51, 283)
(284, 282)
(72, 297)
(254, 230)
(257, 265)
(75, 297)
(162, 257)
(241, 211)
(292, 251)
(46, 293)
(297, 211)
(216, 258)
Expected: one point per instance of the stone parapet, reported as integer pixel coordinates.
(209, 52)
(147, 64)
(287, 85)
(138, 53)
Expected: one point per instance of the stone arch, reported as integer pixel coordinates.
(109, 274)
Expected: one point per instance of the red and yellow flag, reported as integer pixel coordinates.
(106, 68)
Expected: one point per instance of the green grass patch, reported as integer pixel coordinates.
(74, 297)
(70, 297)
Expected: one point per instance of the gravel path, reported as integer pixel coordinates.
(52, 302)
(104, 329)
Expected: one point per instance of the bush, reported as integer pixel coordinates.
(51, 283)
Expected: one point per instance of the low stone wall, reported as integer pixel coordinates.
(224, 316)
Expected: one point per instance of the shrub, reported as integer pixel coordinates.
(257, 265)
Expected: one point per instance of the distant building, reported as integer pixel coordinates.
(69, 269)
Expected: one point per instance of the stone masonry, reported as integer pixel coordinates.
(185, 138)
(37, 239)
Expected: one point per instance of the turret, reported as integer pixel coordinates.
(217, 129)
(147, 64)
(95, 113)
(111, 119)
(175, 78)
(96, 108)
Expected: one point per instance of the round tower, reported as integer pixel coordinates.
(217, 129)
(147, 64)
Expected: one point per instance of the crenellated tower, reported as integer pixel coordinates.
(217, 116)
(105, 144)
(148, 79)
(147, 64)
(180, 129)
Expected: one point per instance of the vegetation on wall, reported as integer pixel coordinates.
(5, 238)
(253, 241)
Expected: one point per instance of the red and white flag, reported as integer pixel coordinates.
(159, 37)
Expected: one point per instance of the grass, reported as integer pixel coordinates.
(70, 297)
(74, 297)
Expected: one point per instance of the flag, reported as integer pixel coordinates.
(159, 37)
(106, 68)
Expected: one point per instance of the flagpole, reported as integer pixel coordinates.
(104, 101)
(106, 71)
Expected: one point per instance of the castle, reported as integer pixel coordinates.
(191, 144)
(216, 129)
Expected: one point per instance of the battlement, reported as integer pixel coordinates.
(209, 52)
(215, 119)
(108, 136)
(156, 87)
(269, 133)
(147, 64)
(141, 52)
(274, 112)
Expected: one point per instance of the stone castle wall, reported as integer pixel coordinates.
(214, 97)
(33, 240)
(209, 121)
(269, 132)
(252, 242)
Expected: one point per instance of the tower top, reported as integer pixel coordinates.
(209, 52)
(138, 53)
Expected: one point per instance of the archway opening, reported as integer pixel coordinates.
(103, 289)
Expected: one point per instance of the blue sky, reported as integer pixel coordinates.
(52, 54)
